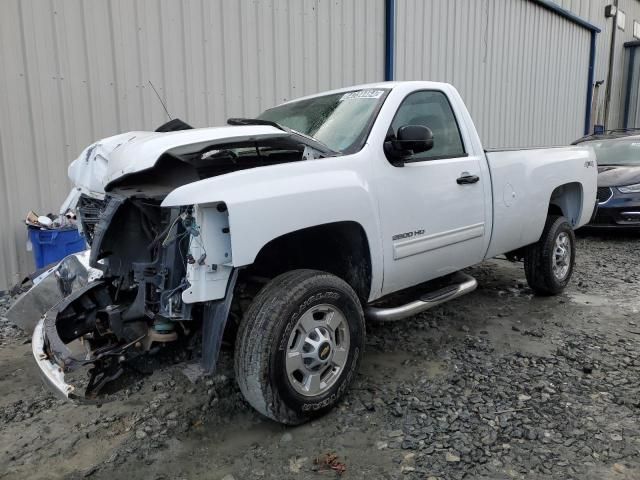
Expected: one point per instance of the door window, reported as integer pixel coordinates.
(431, 109)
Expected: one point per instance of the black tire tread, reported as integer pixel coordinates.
(256, 332)
(537, 259)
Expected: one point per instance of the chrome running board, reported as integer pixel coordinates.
(466, 284)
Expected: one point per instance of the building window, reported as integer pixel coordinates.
(636, 29)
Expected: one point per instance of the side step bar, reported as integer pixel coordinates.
(466, 284)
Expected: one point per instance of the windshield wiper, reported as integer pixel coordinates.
(618, 165)
(257, 121)
(318, 145)
(608, 134)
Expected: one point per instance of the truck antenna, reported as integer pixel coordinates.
(159, 98)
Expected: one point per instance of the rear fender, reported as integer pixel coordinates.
(526, 182)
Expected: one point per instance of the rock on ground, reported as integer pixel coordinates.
(495, 385)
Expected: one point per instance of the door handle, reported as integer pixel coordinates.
(466, 179)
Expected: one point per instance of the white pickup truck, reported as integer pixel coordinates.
(284, 232)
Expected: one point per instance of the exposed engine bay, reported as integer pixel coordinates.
(163, 279)
(143, 252)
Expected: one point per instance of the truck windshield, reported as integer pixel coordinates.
(617, 151)
(341, 121)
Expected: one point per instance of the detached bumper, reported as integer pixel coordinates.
(66, 323)
(52, 374)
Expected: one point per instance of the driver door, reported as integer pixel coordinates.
(433, 219)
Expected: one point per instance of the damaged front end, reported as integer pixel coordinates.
(147, 256)
(167, 272)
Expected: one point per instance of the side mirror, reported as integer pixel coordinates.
(411, 139)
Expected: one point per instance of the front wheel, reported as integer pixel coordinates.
(299, 345)
(548, 263)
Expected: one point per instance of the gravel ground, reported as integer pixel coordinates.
(498, 385)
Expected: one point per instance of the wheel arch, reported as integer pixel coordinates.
(567, 200)
(341, 248)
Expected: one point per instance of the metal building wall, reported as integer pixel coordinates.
(631, 8)
(593, 12)
(521, 69)
(73, 71)
(632, 111)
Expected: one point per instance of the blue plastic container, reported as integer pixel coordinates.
(51, 246)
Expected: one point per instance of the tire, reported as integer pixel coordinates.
(542, 267)
(291, 314)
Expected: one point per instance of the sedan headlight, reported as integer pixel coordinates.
(635, 188)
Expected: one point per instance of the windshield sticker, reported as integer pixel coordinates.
(362, 94)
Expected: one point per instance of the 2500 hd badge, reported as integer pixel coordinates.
(401, 236)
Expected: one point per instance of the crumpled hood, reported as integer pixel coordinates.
(615, 176)
(88, 170)
(113, 157)
(141, 150)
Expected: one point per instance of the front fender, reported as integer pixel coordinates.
(266, 203)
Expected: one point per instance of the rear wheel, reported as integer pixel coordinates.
(299, 345)
(548, 263)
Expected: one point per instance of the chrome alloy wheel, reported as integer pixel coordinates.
(318, 349)
(561, 256)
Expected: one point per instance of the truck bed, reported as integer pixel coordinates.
(524, 181)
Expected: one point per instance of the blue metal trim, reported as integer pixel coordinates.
(632, 46)
(554, 7)
(592, 63)
(389, 38)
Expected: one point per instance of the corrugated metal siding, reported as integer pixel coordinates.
(634, 93)
(75, 71)
(631, 8)
(593, 11)
(521, 69)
